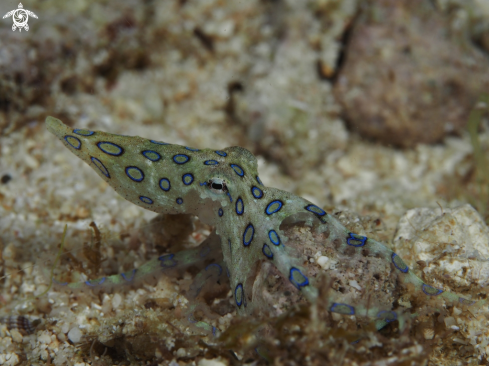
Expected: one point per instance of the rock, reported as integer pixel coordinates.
(75, 335)
(16, 336)
(449, 249)
(409, 77)
(205, 362)
(449, 246)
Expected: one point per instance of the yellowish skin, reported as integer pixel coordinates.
(223, 189)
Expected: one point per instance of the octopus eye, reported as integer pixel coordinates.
(217, 185)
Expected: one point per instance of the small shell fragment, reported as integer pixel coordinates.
(18, 322)
(428, 333)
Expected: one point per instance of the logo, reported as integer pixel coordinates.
(20, 17)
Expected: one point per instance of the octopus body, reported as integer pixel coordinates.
(223, 189)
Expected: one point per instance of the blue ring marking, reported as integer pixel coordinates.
(59, 283)
(123, 275)
(100, 166)
(132, 168)
(403, 270)
(315, 210)
(146, 200)
(249, 227)
(204, 251)
(221, 153)
(214, 264)
(74, 142)
(389, 316)
(187, 179)
(167, 257)
(259, 180)
(220, 212)
(165, 184)
(239, 206)
(269, 211)
(214, 331)
(83, 132)
(92, 283)
(191, 318)
(239, 287)
(230, 198)
(358, 238)
(211, 162)
(355, 342)
(179, 200)
(256, 192)
(159, 142)
(274, 238)
(191, 148)
(342, 311)
(117, 153)
(151, 155)
(297, 284)
(177, 156)
(203, 184)
(426, 288)
(267, 251)
(237, 169)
